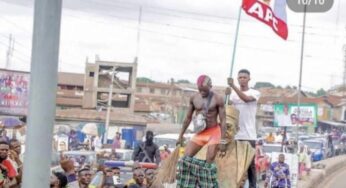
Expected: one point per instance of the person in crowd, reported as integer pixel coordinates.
(97, 143)
(149, 177)
(302, 159)
(278, 137)
(14, 156)
(138, 176)
(164, 152)
(245, 100)
(147, 151)
(73, 140)
(84, 177)
(8, 172)
(270, 138)
(136, 166)
(58, 180)
(3, 136)
(116, 142)
(308, 160)
(278, 175)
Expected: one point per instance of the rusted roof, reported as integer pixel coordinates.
(78, 102)
(330, 99)
(70, 79)
(157, 85)
(93, 115)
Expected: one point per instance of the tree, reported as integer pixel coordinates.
(278, 87)
(183, 81)
(144, 80)
(263, 84)
(321, 92)
(288, 87)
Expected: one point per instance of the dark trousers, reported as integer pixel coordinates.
(251, 172)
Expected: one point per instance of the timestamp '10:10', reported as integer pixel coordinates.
(311, 2)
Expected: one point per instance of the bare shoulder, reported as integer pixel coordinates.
(194, 97)
(218, 98)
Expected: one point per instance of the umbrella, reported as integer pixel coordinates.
(90, 129)
(60, 128)
(11, 123)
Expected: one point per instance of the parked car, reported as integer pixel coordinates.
(270, 148)
(339, 147)
(317, 148)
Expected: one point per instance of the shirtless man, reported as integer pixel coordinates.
(214, 134)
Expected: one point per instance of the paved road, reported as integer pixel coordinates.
(336, 180)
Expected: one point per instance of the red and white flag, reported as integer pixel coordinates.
(262, 10)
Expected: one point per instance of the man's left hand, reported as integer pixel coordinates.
(223, 150)
(230, 82)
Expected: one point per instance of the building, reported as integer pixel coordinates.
(97, 85)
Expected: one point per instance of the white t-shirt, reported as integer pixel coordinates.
(247, 115)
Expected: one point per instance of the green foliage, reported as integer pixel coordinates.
(263, 85)
(145, 80)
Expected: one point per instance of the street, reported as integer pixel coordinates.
(337, 180)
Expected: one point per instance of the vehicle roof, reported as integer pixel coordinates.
(80, 152)
(169, 136)
(314, 140)
(272, 144)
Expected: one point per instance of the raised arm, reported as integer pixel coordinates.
(241, 94)
(187, 121)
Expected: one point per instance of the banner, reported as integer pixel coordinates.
(263, 12)
(286, 115)
(14, 92)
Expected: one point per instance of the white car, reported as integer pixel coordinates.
(170, 140)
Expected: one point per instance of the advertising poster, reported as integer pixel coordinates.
(286, 115)
(14, 92)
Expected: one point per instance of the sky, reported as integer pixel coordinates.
(183, 39)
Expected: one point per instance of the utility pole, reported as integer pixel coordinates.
(109, 105)
(344, 77)
(138, 34)
(301, 71)
(43, 87)
(9, 52)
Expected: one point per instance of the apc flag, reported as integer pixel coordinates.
(262, 11)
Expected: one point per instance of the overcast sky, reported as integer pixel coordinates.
(183, 39)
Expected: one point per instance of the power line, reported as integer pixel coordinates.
(156, 10)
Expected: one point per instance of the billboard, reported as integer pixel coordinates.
(286, 115)
(14, 92)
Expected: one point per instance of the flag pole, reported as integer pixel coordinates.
(235, 41)
(301, 71)
(234, 47)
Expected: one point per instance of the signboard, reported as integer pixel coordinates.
(63, 143)
(286, 115)
(293, 163)
(14, 92)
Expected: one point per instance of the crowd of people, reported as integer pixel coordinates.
(11, 163)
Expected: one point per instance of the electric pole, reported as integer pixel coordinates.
(344, 76)
(9, 52)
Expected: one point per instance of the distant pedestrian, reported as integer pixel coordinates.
(147, 151)
(116, 142)
(278, 174)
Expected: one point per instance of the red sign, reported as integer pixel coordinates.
(14, 92)
(265, 14)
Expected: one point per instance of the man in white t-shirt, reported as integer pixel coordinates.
(245, 100)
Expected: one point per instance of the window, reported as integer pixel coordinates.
(163, 91)
(152, 90)
(91, 74)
